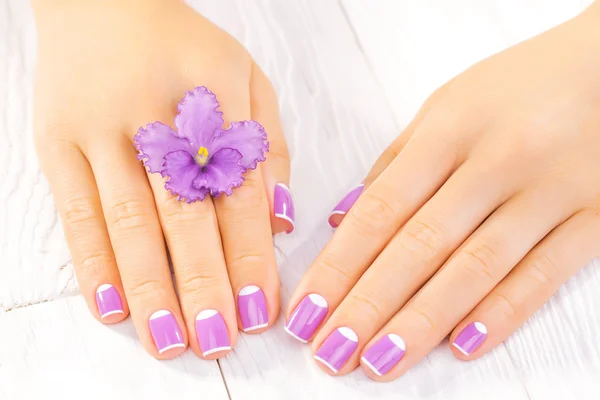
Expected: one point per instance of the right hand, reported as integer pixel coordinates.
(105, 68)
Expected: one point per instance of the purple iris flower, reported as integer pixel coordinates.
(201, 158)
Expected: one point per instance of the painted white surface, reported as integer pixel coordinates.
(350, 74)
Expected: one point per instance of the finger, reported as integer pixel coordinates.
(194, 242)
(139, 247)
(246, 235)
(78, 204)
(389, 154)
(276, 168)
(472, 272)
(422, 244)
(531, 284)
(398, 193)
(415, 253)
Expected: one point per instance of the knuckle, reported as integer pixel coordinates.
(368, 304)
(194, 280)
(179, 216)
(130, 214)
(424, 238)
(280, 153)
(246, 263)
(425, 316)
(543, 270)
(94, 264)
(506, 305)
(373, 214)
(249, 201)
(79, 212)
(481, 261)
(145, 286)
(330, 266)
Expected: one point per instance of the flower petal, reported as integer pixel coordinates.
(181, 169)
(222, 173)
(247, 137)
(198, 119)
(156, 140)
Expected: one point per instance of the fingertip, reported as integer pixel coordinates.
(283, 215)
(171, 352)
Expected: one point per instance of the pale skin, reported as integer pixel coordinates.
(105, 68)
(479, 211)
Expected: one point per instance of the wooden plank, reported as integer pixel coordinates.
(57, 350)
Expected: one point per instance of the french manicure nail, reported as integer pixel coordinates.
(384, 354)
(212, 332)
(283, 205)
(470, 338)
(307, 317)
(165, 331)
(344, 205)
(337, 348)
(108, 300)
(253, 308)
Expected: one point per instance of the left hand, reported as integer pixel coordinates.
(472, 219)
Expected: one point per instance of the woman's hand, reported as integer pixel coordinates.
(472, 219)
(105, 68)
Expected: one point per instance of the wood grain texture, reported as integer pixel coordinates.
(349, 77)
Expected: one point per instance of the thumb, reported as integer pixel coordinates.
(341, 209)
(276, 168)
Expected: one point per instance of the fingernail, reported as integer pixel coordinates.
(212, 332)
(470, 338)
(253, 308)
(337, 348)
(165, 331)
(384, 354)
(283, 205)
(307, 317)
(344, 205)
(108, 300)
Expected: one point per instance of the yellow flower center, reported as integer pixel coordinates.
(202, 156)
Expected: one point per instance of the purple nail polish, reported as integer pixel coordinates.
(384, 354)
(165, 332)
(212, 332)
(337, 348)
(283, 205)
(108, 300)
(307, 317)
(344, 206)
(470, 338)
(253, 308)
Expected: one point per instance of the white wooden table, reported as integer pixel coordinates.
(350, 74)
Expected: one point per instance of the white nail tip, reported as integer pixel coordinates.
(292, 334)
(348, 334)
(216, 350)
(397, 340)
(460, 349)
(160, 313)
(206, 314)
(103, 287)
(318, 300)
(255, 327)
(480, 327)
(325, 363)
(370, 366)
(286, 218)
(173, 346)
(112, 313)
(248, 290)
